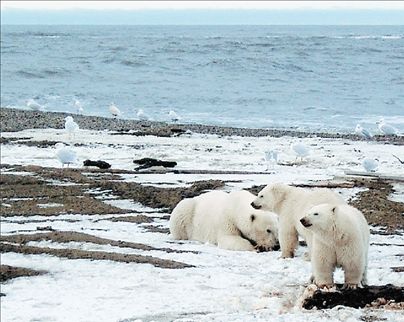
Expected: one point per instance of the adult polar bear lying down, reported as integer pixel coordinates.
(340, 239)
(291, 204)
(226, 220)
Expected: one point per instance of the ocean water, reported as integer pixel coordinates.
(320, 78)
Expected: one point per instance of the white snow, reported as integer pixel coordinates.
(328, 157)
(398, 194)
(223, 285)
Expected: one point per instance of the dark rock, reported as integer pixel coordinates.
(45, 228)
(100, 164)
(177, 131)
(357, 298)
(150, 162)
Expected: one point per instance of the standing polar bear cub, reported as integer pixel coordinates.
(226, 220)
(340, 239)
(291, 203)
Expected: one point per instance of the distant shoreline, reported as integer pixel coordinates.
(14, 120)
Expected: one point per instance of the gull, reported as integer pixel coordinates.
(174, 116)
(114, 110)
(300, 149)
(271, 158)
(70, 125)
(370, 165)
(359, 130)
(34, 105)
(142, 115)
(79, 106)
(65, 154)
(385, 128)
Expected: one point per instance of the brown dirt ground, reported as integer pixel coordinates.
(77, 199)
(8, 272)
(71, 236)
(92, 255)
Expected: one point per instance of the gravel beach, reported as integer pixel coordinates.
(16, 120)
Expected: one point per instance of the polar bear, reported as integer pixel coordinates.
(291, 203)
(226, 220)
(340, 239)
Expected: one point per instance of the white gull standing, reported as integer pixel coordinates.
(114, 110)
(34, 105)
(359, 130)
(370, 165)
(174, 116)
(385, 128)
(141, 115)
(65, 154)
(79, 106)
(271, 158)
(70, 126)
(300, 149)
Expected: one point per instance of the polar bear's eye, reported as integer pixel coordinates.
(269, 231)
(315, 214)
(262, 196)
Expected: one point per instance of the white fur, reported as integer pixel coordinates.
(291, 203)
(224, 219)
(340, 239)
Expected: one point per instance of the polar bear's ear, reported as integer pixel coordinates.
(252, 217)
(279, 191)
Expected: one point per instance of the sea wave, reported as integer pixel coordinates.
(133, 63)
(29, 74)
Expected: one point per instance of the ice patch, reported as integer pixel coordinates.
(128, 204)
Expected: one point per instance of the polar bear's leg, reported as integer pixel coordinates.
(288, 239)
(323, 261)
(364, 281)
(234, 242)
(353, 274)
(181, 219)
(307, 255)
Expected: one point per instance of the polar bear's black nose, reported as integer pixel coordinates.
(305, 222)
(255, 206)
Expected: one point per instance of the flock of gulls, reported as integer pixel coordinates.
(301, 150)
(67, 156)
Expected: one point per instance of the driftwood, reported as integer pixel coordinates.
(177, 131)
(150, 162)
(357, 298)
(373, 175)
(399, 160)
(100, 164)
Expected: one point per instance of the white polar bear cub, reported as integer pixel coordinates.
(291, 204)
(226, 220)
(340, 239)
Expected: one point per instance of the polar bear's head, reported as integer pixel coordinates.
(320, 218)
(261, 230)
(271, 197)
